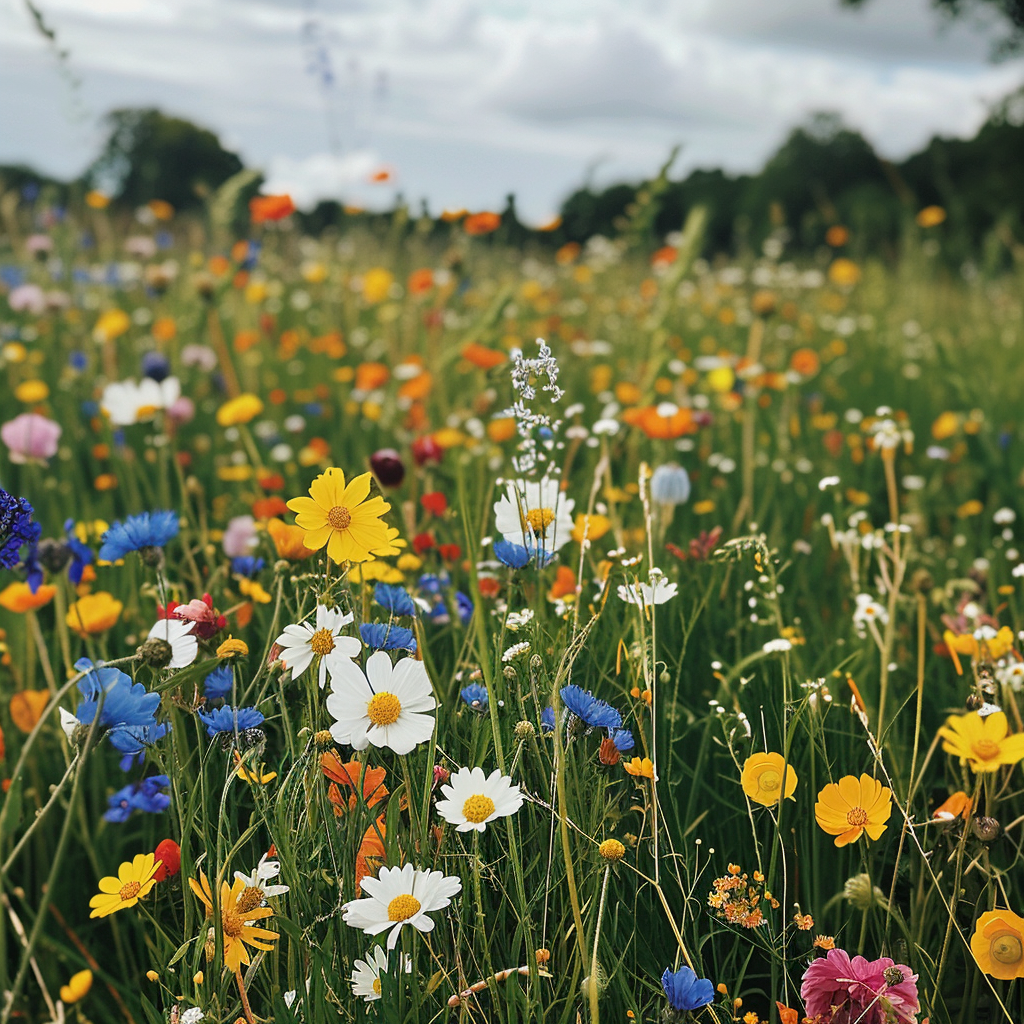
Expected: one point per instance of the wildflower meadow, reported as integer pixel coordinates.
(407, 623)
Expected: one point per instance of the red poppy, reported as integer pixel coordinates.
(264, 208)
(449, 552)
(435, 503)
(169, 854)
(489, 586)
(422, 542)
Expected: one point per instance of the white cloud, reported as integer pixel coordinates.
(321, 176)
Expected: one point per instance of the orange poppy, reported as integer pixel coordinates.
(268, 508)
(564, 585)
(664, 257)
(264, 208)
(420, 281)
(27, 707)
(370, 376)
(288, 540)
(371, 853)
(481, 223)
(348, 775)
(482, 357)
(805, 361)
(18, 597)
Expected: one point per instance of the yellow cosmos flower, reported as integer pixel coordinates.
(243, 409)
(239, 907)
(94, 613)
(254, 775)
(982, 742)
(77, 988)
(133, 882)
(762, 778)
(111, 324)
(998, 944)
(253, 590)
(989, 648)
(32, 391)
(853, 806)
(342, 518)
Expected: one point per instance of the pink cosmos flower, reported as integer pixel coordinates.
(182, 409)
(30, 437)
(240, 536)
(838, 990)
(27, 298)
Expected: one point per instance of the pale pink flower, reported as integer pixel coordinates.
(838, 990)
(27, 298)
(240, 536)
(30, 437)
(182, 409)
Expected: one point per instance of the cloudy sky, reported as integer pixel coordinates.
(468, 100)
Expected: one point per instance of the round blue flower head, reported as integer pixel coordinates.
(146, 530)
(219, 682)
(382, 636)
(547, 719)
(685, 991)
(247, 565)
(229, 719)
(475, 696)
(139, 796)
(395, 599)
(594, 713)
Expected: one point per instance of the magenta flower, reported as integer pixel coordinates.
(30, 437)
(838, 990)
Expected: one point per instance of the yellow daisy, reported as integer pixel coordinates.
(133, 882)
(982, 741)
(239, 908)
(762, 778)
(342, 517)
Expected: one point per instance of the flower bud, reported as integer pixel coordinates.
(155, 652)
(986, 829)
(387, 467)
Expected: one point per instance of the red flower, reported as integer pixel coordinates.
(269, 508)
(449, 552)
(422, 542)
(435, 503)
(169, 854)
(264, 208)
(489, 586)
(425, 449)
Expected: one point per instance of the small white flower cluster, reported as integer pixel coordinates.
(531, 424)
(887, 433)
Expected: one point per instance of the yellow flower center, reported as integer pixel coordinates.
(857, 816)
(478, 808)
(1007, 948)
(986, 750)
(401, 908)
(145, 411)
(322, 642)
(384, 708)
(129, 890)
(540, 519)
(232, 924)
(376, 985)
(339, 517)
(769, 781)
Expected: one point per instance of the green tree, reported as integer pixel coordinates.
(149, 155)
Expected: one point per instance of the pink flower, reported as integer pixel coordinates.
(27, 298)
(240, 536)
(838, 990)
(182, 409)
(208, 621)
(30, 437)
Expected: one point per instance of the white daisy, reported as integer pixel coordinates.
(658, 591)
(126, 402)
(302, 640)
(262, 873)
(535, 514)
(366, 973)
(868, 610)
(472, 799)
(177, 633)
(399, 896)
(385, 707)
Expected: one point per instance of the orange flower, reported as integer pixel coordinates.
(567, 254)
(930, 217)
(420, 281)
(664, 257)
(371, 853)
(94, 613)
(805, 361)
(18, 597)
(264, 208)
(418, 387)
(288, 540)
(481, 223)
(664, 421)
(502, 429)
(348, 775)
(381, 175)
(786, 1014)
(370, 376)
(966, 643)
(27, 707)
(164, 329)
(640, 767)
(482, 357)
(564, 585)
(956, 805)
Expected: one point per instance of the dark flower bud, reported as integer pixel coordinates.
(893, 975)
(974, 701)
(986, 829)
(152, 556)
(53, 554)
(155, 652)
(387, 467)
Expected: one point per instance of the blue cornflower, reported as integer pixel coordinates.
(623, 739)
(78, 360)
(430, 583)
(219, 682)
(438, 613)
(547, 719)
(685, 990)
(395, 599)
(591, 711)
(146, 530)
(81, 554)
(132, 741)
(124, 703)
(16, 528)
(156, 366)
(229, 719)
(139, 796)
(475, 696)
(515, 556)
(464, 607)
(382, 636)
(247, 565)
